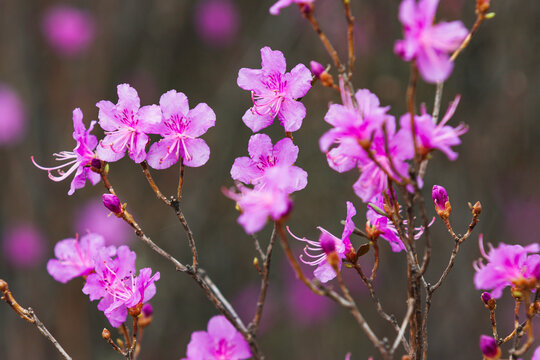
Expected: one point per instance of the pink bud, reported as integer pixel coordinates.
(147, 310)
(441, 202)
(112, 203)
(489, 347)
(486, 297)
(316, 68)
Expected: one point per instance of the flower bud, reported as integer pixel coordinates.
(106, 334)
(316, 68)
(489, 347)
(112, 203)
(3, 285)
(135, 310)
(477, 208)
(441, 202)
(147, 310)
(486, 297)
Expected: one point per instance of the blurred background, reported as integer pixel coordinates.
(55, 56)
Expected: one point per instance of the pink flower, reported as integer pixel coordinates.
(23, 245)
(263, 156)
(217, 21)
(432, 136)
(506, 265)
(180, 129)
(126, 125)
(12, 116)
(324, 271)
(221, 342)
(428, 44)
(79, 159)
(274, 92)
(275, 9)
(75, 258)
(354, 124)
(256, 206)
(67, 29)
(115, 283)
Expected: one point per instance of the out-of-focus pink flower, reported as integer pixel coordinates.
(79, 159)
(93, 217)
(274, 92)
(489, 347)
(115, 282)
(430, 136)
(324, 271)
(507, 265)
(12, 116)
(536, 355)
(217, 21)
(221, 342)
(275, 9)
(180, 129)
(126, 125)
(23, 245)
(75, 257)
(67, 29)
(263, 156)
(256, 206)
(427, 43)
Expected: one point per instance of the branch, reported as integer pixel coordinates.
(403, 327)
(30, 316)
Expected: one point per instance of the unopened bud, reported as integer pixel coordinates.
(95, 165)
(316, 68)
(136, 310)
(476, 208)
(486, 297)
(147, 310)
(112, 203)
(441, 202)
(106, 334)
(489, 347)
(327, 79)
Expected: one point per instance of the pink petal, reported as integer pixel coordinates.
(447, 36)
(257, 122)
(285, 152)
(128, 99)
(106, 116)
(245, 170)
(272, 61)
(105, 153)
(434, 66)
(198, 151)
(150, 119)
(260, 145)
(163, 154)
(201, 118)
(220, 328)
(298, 81)
(174, 103)
(274, 9)
(250, 79)
(137, 152)
(291, 114)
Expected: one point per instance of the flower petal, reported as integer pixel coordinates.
(291, 114)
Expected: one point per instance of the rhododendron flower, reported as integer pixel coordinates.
(79, 159)
(75, 257)
(67, 29)
(439, 136)
(126, 125)
(353, 125)
(373, 180)
(275, 9)
(257, 205)
(115, 283)
(23, 245)
(274, 92)
(507, 265)
(251, 170)
(12, 116)
(324, 271)
(221, 342)
(180, 128)
(426, 43)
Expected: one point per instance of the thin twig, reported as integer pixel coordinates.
(350, 34)
(144, 166)
(180, 181)
(30, 316)
(410, 308)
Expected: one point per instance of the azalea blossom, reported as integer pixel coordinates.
(79, 159)
(180, 129)
(275, 9)
(316, 250)
(427, 43)
(221, 342)
(126, 125)
(275, 92)
(257, 205)
(430, 136)
(23, 245)
(507, 265)
(115, 282)
(75, 257)
(263, 156)
(12, 116)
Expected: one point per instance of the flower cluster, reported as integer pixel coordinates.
(270, 168)
(507, 265)
(110, 274)
(221, 342)
(127, 126)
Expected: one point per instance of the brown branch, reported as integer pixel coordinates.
(144, 166)
(350, 34)
(254, 325)
(401, 333)
(30, 316)
(180, 181)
